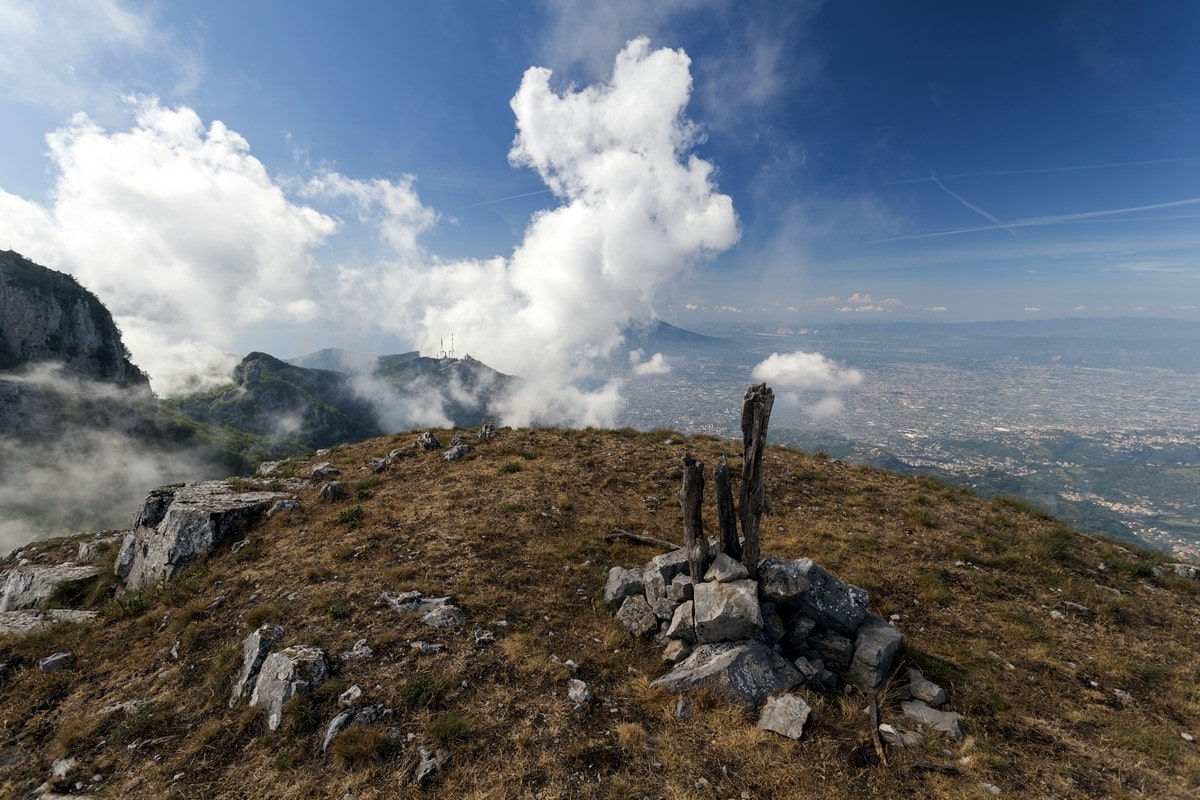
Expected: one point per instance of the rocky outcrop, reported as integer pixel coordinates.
(744, 673)
(30, 586)
(46, 316)
(285, 674)
(179, 525)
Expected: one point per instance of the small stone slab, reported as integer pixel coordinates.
(446, 616)
(30, 620)
(56, 661)
(254, 651)
(947, 722)
(28, 587)
(785, 715)
(781, 581)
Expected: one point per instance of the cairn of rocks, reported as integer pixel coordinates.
(751, 629)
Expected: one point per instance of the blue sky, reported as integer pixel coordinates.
(283, 175)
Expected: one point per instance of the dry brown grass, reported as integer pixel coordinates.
(514, 533)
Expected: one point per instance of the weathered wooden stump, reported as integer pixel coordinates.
(756, 412)
(691, 498)
(726, 516)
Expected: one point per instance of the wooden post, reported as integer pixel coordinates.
(691, 498)
(756, 412)
(726, 517)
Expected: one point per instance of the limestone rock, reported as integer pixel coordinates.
(680, 589)
(785, 715)
(285, 674)
(356, 715)
(744, 673)
(179, 525)
(56, 661)
(428, 442)
(254, 651)
(331, 492)
(781, 581)
(1178, 570)
(30, 586)
(834, 649)
(947, 722)
(30, 620)
(727, 611)
(446, 616)
(637, 617)
(830, 602)
(664, 609)
(359, 652)
(487, 433)
(622, 583)
(456, 452)
(681, 627)
(675, 651)
(324, 470)
(725, 569)
(923, 689)
(898, 738)
(579, 692)
(661, 570)
(431, 762)
(874, 650)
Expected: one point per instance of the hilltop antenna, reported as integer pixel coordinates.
(452, 345)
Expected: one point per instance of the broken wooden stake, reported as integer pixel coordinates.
(691, 498)
(756, 412)
(640, 538)
(726, 517)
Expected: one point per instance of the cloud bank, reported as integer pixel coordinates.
(799, 373)
(191, 243)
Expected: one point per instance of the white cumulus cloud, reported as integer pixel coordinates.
(637, 208)
(808, 371)
(178, 229)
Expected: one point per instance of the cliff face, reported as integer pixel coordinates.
(46, 316)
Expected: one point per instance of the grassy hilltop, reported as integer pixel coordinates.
(1081, 703)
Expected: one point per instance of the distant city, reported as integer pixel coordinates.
(1097, 421)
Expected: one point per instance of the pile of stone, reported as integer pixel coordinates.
(746, 639)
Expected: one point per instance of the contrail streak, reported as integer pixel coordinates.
(1052, 219)
(502, 199)
(989, 217)
(1044, 170)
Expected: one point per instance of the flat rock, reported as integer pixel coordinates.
(785, 715)
(659, 571)
(681, 627)
(355, 715)
(725, 569)
(56, 661)
(285, 674)
(30, 586)
(446, 616)
(744, 673)
(179, 525)
(875, 648)
(623, 583)
(30, 620)
(947, 722)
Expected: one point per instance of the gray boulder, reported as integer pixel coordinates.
(637, 617)
(445, 616)
(1178, 570)
(781, 581)
(623, 583)
(744, 673)
(179, 525)
(834, 649)
(831, 602)
(292, 671)
(947, 722)
(431, 761)
(30, 620)
(727, 611)
(428, 442)
(29, 586)
(874, 650)
(56, 661)
(331, 492)
(254, 651)
(785, 715)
